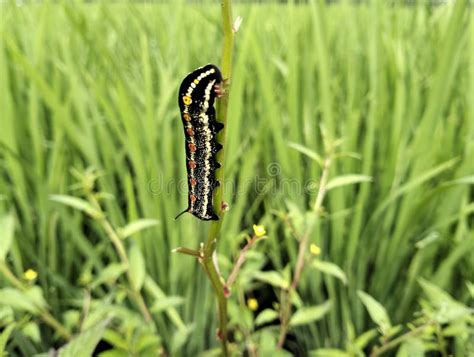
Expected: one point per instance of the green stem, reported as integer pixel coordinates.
(55, 324)
(285, 309)
(379, 351)
(215, 228)
(120, 248)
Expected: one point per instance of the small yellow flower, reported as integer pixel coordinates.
(30, 275)
(314, 249)
(252, 304)
(259, 230)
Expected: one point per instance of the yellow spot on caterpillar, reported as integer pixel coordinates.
(187, 100)
(196, 81)
(186, 116)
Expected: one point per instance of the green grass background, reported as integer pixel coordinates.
(86, 85)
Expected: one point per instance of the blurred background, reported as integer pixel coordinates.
(88, 96)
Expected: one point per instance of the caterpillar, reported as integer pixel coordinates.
(196, 104)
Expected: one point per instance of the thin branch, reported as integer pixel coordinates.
(285, 303)
(120, 248)
(379, 351)
(318, 205)
(238, 264)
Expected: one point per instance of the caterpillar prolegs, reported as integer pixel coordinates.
(196, 103)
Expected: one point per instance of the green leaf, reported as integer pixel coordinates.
(114, 353)
(85, 343)
(426, 241)
(411, 347)
(267, 315)
(363, 340)
(377, 312)
(109, 275)
(296, 299)
(18, 300)
(416, 182)
(153, 289)
(137, 226)
(148, 344)
(32, 330)
(448, 309)
(77, 203)
(470, 288)
(180, 337)
(7, 315)
(469, 180)
(115, 339)
(286, 273)
(137, 267)
(306, 315)
(347, 180)
(35, 295)
(268, 344)
(308, 152)
(328, 352)
(7, 227)
(272, 277)
(166, 303)
(331, 269)
(5, 335)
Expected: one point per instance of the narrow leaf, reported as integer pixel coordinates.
(347, 180)
(448, 309)
(109, 275)
(266, 316)
(166, 303)
(363, 340)
(17, 299)
(85, 343)
(5, 335)
(469, 180)
(77, 203)
(180, 337)
(308, 152)
(328, 352)
(417, 181)
(31, 330)
(35, 295)
(137, 226)
(306, 315)
(377, 312)
(7, 225)
(331, 269)
(271, 277)
(411, 347)
(137, 267)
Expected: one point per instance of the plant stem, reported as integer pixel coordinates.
(378, 351)
(318, 205)
(239, 262)
(122, 253)
(285, 309)
(222, 105)
(55, 324)
(7, 273)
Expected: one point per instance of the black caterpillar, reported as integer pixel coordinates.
(196, 103)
